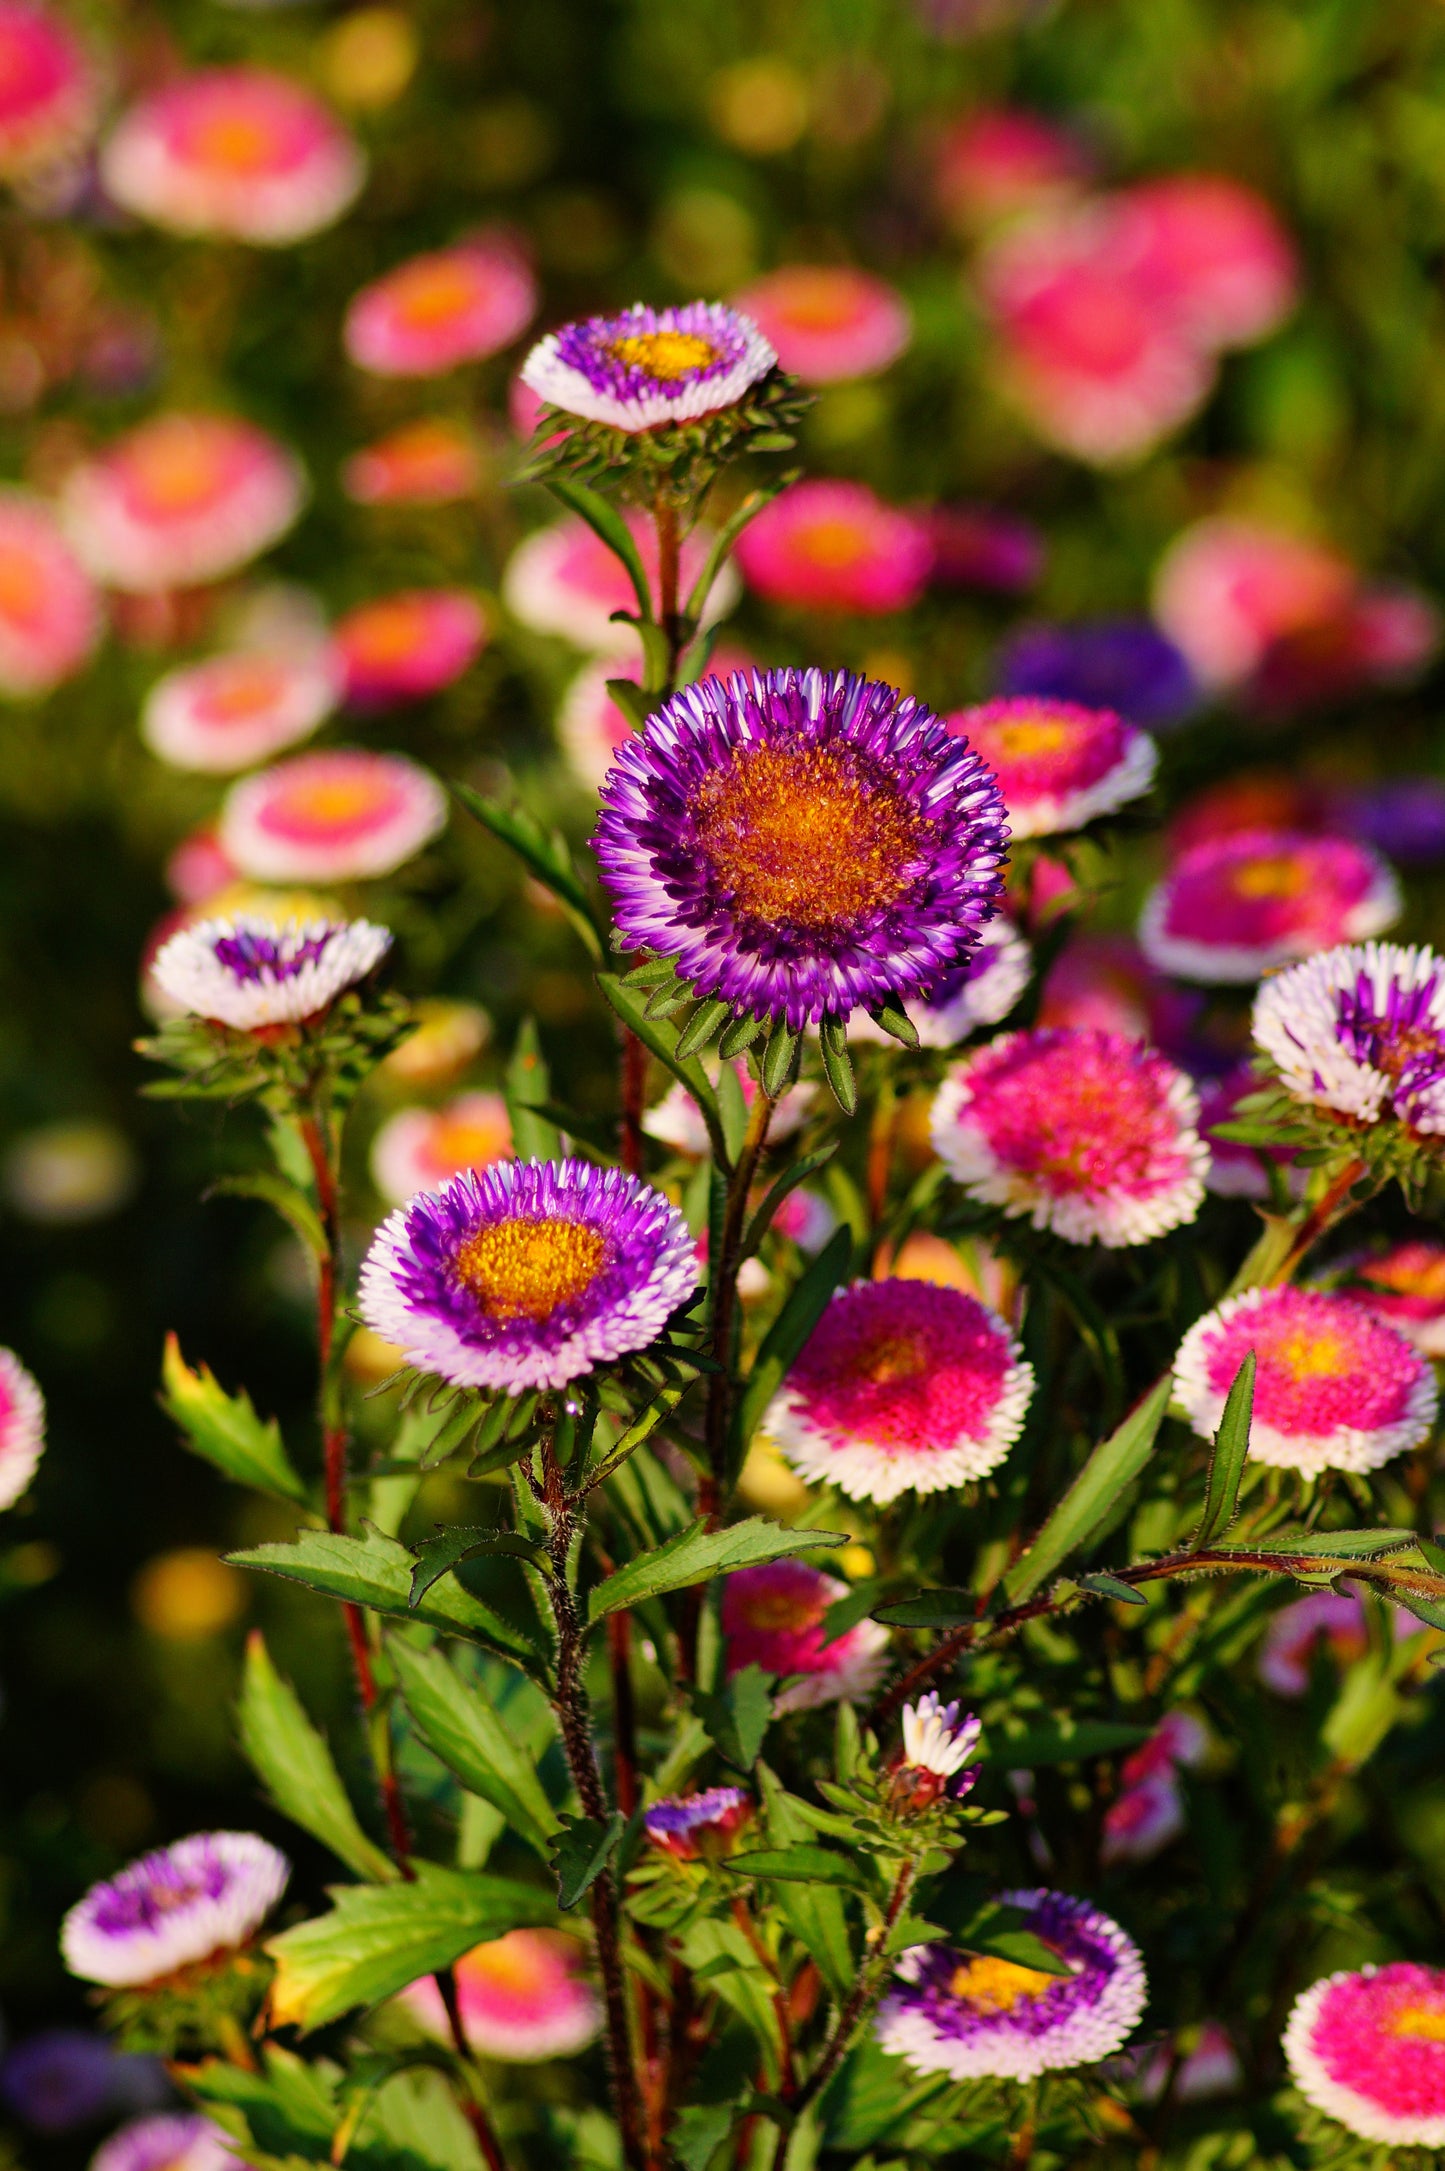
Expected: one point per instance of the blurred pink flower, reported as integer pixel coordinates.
(563, 580)
(239, 708)
(1406, 1285)
(522, 1997)
(829, 321)
(1227, 589)
(402, 647)
(980, 546)
(1215, 252)
(420, 1149)
(48, 90)
(834, 546)
(428, 462)
(1002, 160)
(50, 615)
(1105, 982)
(197, 870)
(772, 1616)
(441, 309)
(342, 815)
(1334, 1618)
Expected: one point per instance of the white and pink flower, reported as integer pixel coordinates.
(428, 462)
(829, 322)
(1216, 252)
(1228, 589)
(773, 1617)
(827, 545)
(403, 647)
(1003, 160)
(564, 580)
(342, 815)
(22, 1428)
(50, 614)
(522, 1998)
(1058, 765)
(1234, 908)
(439, 310)
(420, 1149)
(1368, 2049)
(48, 90)
(1406, 1285)
(237, 709)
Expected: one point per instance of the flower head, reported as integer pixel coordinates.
(827, 545)
(689, 1825)
(1368, 2049)
(1058, 765)
(403, 647)
(565, 581)
(171, 2141)
(436, 311)
(180, 500)
(972, 2016)
(428, 462)
(1335, 1619)
(650, 366)
(48, 90)
(1002, 160)
(1228, 589)
(1106, 982)
(1235, 907)
(1089, 1134)
(522, 1997)
(173, 1908)
(1335, 1389)
(22, 1427)
(343, 815)
(239, 708)
(802, 843)
(248, 972)
(236, 151)
(50, 616)
(1142, 1819)
(1103, 663)
(447, 1036)
(1406, 1285)
(1216, 252)
(902, 1386)
(419, 1149)
(1361, 1030)
(527, 1273)
(935, 1739)
(972, 995)
(981, 546)
(773, 1617)
(828, 322)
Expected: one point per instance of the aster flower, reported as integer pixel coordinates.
(650, 366)
(50, 617)
(428, 462)
(1102, 663)
(1058, 765)
(592, 728)
(973, 995)
(239, 708)
(773, 1617)
(1361, 1030)
(676, 1121)
(802, 844)
(1233, 908)
(981, 546)
(1335, 1619)
(180, 500)
(419, 1149)
(1216, 251)
(248, 973)
(935, 1739)
(902, 1386)
(236, 151)
(1227, 589)
(1406, 1285)
(1368, 2049)
(343, 815)
(1142, 1820)
(442, 309)
(171, 2141)
(173, 1908)
(22, 1428)
(1001, 160)
(1336, 1388)
(829, 322)
(1089, 1134)
(403, 647)
(825, 545)
(689, 1825)
(1106, 982)
(448, 1035)
(48, 89)
(974, 2017)
(564, 580)
(527, 1273)
(522, 1998)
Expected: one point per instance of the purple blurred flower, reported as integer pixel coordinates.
(62, 2078)
(1404, 817)
(1102, 663)
(979, 546)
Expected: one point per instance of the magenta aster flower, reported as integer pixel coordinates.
(650, 366)
(829, 322)
(48, 89)
(527, 1273)
(1232, 908)
(522, 1997)
(973, 995)
(1336, 1388)
(1406, 1285)
(171, 2141)
(403, 647)
(827, 544)
(249, 972)
(200, 1896)
(772, 1616)
(1089, 1134)
(802, 843)
(436, 311)
(50, 615)
(689, 1825)
(903, 1386)
(236, 709)
(22, 1427)
(1361, 1030)
(975, 2017)
(1058, 765)
(1368, 2049)
(1335, 1619)
(1142, 1820)
(344, 814)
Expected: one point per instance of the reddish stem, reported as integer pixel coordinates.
(476, 2116)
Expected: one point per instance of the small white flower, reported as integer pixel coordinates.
(935, 1738)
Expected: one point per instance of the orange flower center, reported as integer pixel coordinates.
(435, 293)
(1278, 877)
(1419, 2023)
(997, 1986)
(177, 468)
(833, 546)
(238, 143)
(527, 1269)
(22, 585)
(665, 356)
(335, 802)
(1023, 736)
(245, 691)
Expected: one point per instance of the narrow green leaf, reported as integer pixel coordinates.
(581, 1851)
(434, 1556)
(698, 1553)
(800, 1865)
(1109, 1586)
(631, 700)
(608, 525)
(1059, 1741)
(526, 1088)
(738, 1716)
(661, 1041)
(723, 541)
(546, 856)
(895, 1021)
(294, 1764)
(704, 1025)
(1226, 1463)
(833, 1040)
(739, 1035)
(779, 1057)
(225, 1430)
(1115, 1463)
(284, 1198)
(461, 1726)
(786, 1336)
(930, 1609)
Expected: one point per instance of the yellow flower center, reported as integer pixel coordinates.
(527, 1269)
(435, 293)
(1419, 2023)
(1023, 736)
(1311, 1353)
(898, 1357)
(665, 356)
(334, 802)
(1278, 877)
(997, 1986)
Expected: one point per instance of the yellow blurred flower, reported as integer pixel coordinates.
(368, 58)
(769, 1484)
(69, 1172)
(370, 1359)
(187, 1595)
(447, 1038)
(759, 106)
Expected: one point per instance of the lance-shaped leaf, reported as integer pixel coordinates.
(1059, 1741)
(284, 1198)
(1115, 1463)
(526, 1087)
(786, 1336)
(379, 1938)
(459, 1724)
(296, 1767)
(739, 1715)
(225, 1429)
(660, 1039)
(799, 1865)
(698, 1553)
(608, 525)
(581, 1852)
(547, 857)
(1231, 1451)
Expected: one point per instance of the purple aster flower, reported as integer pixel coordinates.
(1103, 663)
(251, 972)
(973, 2016)
(59, 2079)
(1361, 1029)
(172, 1908)
(649, 366)
(174, 2141)
(687, 1825)
(527, 1273)
(801, 843)
(1404, 817)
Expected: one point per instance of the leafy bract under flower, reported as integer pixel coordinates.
(172, 1908)
(1361, 1030)
(801, 843)
(1368, 2049)
(650, 366)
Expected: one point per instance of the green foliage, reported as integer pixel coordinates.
(460, 1725)
(296, 1767)
(226, 1430)
(697, 1554)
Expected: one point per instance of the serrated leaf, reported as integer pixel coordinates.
(379, 1938)
(738, 1716)
(434, 1556)
(1115, 1463)
(461, 1726)
(698, 1553)
(581, 1851)
(225, 1430)
(525, 1088)
(930, 1609)
(798, 1865)
(785, 1338)
(291, 1758)
(1231, 1452)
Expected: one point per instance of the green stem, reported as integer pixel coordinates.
(723, 1284)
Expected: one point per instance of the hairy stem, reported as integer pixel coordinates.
(669, 559)
(723, 1281)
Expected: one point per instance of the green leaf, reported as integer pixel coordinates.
(434, 1556)
(699, 2133)
(608, 525)
(799, 1865)
(284, 1198)
(631, 699)
(1115, 1463)
(546, 856)
(581, 1851)
(895, 1021)
(379, 1938)
(833, 1040)
(1109, 1586)
(294, 1764)
(660, 1040)
(698, 1553)
(1327, 1546)
(779, 1057)
(931, 1609)
(225, 1429)
(1059, 1741)
(740, 1035)
(786, 1336)
(1231, 1451)
(526, 1088)
(814, 1913)
(461, 1726)
(728, 534)
(738, 1716)
(800, 1171)
(704, 1025)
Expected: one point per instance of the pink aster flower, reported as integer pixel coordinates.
(48, 91)
(1237, 907)
(563, 580)
(590, 725)
(430, 462)
(1332, 1619)
(181, 500)
(1368, 2049)
(236, 151)
(1142, 1819)
(523, 1997)
(50, 618)
(1216, 251)
(1253, 799)
(403, 647)
(198, 869)
(1058, 765)
(1336, 1388)
(1087, 1133)
(419, 1149)
(772, 1616)
(829, 322)
(1002, 160)
(171, 2141)
(175, 1907)
(689, 1825)
(835, 546)
(1406, 1285)
(343, 815)
(237, 709)
(1383, 635)
(436, 311)
(903, 1386)
(1228, 589)
(22, 1428)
